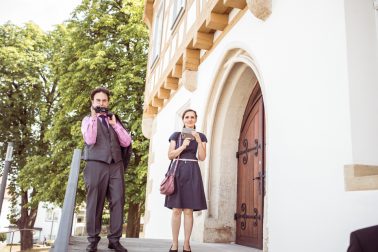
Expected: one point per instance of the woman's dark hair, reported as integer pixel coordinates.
(186, 111)
(189, 110)
(100, 90)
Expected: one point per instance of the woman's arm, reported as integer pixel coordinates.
(201, 151)
(173, 152)
(201, 146)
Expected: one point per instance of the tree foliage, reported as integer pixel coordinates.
(27, 97)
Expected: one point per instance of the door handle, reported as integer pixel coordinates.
(260, 179)
(261, 176)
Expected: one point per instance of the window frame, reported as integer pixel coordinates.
(178, 10)
(157, 34)
(51, 215)
(375, 4)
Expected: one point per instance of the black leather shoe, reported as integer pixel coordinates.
(92, 247)
(117, 247)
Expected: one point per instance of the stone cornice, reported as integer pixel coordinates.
(359, 177)
(200, 36)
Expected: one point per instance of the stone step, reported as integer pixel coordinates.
(79, 243)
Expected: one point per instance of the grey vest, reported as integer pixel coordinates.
(106, 148)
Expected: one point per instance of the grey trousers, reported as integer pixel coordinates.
(104, 181)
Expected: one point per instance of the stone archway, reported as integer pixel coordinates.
(231, 89)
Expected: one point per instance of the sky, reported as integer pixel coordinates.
(44, 13)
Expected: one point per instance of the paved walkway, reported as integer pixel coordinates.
(156, 245)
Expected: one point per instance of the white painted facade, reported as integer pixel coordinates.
(317, 65)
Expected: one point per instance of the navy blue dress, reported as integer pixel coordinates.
(189, 192)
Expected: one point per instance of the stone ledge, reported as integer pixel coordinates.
(359, 177)
(189, 78)
(260, 8)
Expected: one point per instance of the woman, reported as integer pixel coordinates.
(189, 194)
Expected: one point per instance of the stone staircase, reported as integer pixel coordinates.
(79, 243)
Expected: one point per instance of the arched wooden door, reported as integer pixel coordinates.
(251, 174)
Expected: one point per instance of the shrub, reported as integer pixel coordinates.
(3, 237)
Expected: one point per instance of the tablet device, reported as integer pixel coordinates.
(187, 133)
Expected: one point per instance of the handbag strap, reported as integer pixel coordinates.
(179, 144)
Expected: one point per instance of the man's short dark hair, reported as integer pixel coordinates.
(100, 90)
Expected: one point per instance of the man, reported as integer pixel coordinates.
(364, 240)
(103, 174)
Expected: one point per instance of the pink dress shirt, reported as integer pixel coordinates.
(89, 131)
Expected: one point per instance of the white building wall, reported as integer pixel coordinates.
(157, 219)
(362, 49)
(46, 221)
(303, 63)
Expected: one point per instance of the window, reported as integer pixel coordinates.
(177, 11)
(157, 34)
(51, 215)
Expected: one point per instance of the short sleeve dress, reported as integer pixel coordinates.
(189, 192)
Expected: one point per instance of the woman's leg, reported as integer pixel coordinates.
(188, 226)
(176, 222)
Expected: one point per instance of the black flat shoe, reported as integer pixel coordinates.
(171, 250)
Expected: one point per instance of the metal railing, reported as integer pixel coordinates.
(65, 225)
(7, 162)
(19, 230)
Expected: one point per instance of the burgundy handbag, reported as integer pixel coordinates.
(167, 186)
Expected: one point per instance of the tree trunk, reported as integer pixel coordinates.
(26, 240)
(26, 222)
(133, 221)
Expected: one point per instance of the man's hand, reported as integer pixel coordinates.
(112, 120)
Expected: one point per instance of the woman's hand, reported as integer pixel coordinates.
(197, 136)
(186, 142)
(173, 152)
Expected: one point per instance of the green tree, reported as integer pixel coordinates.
(27, 97)
(104, 44)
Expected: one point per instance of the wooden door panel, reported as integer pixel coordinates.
(250, 187)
